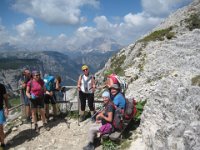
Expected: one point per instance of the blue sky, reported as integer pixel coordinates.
(69, 24)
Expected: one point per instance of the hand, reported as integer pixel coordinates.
(51, 93)
(93, 89)
(79, 88)
(98, 121)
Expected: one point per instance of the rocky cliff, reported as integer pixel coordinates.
(163, 68)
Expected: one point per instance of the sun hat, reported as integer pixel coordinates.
(107, 72)
(35, 72)
(84, 67)
(106, 94)
(114, 86)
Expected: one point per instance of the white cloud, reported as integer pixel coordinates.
(53, 11)
(127, 31)
(162, 7)
(27, 28)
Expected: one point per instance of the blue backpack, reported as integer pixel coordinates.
(49, 83)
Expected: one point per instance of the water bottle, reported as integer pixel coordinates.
(33, 96)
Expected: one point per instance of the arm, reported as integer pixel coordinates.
(109, 82)
(107, 118)
(28, 92)
(57, 85)
(93, 84)
(79, 83)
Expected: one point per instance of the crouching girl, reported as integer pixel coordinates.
(103, 122)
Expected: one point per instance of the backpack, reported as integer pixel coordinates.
(118, 119)
(130, 109)
(49, 83)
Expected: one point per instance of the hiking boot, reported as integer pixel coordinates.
(90, 146)
(46, 126)
(82, 118)
(36, 128)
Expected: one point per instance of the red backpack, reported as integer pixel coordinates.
(130, 109)
(118, 118)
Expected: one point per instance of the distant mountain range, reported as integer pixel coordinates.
(66, 63)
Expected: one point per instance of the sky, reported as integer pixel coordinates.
(68, 24)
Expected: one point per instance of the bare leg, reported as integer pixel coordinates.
(54, 109)
(42, 113)
(46, 107)
(34, 115)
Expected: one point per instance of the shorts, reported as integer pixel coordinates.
(49, 99)
(37, 102)
(26, 99)
(2, 117)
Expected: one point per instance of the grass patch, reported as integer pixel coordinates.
(140, 108)
(74, 114)
(14, 101)
(109, 145)
(196, 80)
(193, 22)
(159, 35)
(116, 64)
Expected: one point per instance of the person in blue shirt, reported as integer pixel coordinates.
(117, 97)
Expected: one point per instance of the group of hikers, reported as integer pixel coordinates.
(37, 97)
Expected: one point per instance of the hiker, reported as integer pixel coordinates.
(117, 97)
(103, 121)
(86, 88)
(3, 112)
(111, 79)
(50, 96)
(26, 77)
(35, 92)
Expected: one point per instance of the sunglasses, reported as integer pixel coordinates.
(37, 75)
(85, 70)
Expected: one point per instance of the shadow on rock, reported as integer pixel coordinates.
(21, 137)
(54, 122)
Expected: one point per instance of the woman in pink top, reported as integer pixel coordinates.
(35, 92)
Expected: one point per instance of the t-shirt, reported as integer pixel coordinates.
(36, 87)
(2, 92)
(119, 101)
(109, 108)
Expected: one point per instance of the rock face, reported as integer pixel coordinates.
(163, 68)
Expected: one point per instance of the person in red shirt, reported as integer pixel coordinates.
(35, 92)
